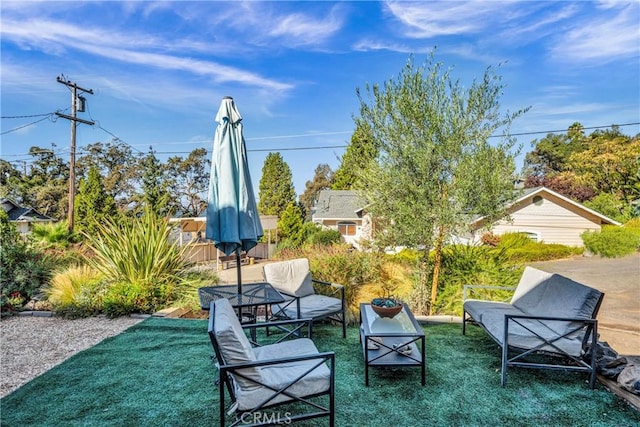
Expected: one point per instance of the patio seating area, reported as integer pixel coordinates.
(160, 372)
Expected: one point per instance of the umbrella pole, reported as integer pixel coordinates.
(239, 272)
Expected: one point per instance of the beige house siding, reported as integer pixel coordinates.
(551, 218)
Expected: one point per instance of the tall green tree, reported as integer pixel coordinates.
(189, 180)
(276, 189)
(610, 162)
(435, 169)
(93, 203)
(551, 154)
(10, 181)
(155, 190)
(45, 186)
(360, 151)
(291, 225)
(322, 178)
(117, 164)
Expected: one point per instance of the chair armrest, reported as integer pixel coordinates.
(330, 355)
(338, 288)
(589, 325)
(584, 320)
(471, 288)
(299, 324)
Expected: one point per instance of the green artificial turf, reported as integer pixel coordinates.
(159, 373)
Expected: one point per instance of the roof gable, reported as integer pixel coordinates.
(529, 193)
(15, 212)
(338, 204)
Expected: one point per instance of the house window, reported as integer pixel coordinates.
(532, 235)
(347, 228)
(538, 200)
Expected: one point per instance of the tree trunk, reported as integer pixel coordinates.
(422, 295)
(436, 270)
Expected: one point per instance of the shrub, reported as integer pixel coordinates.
(514, 240)
(23, 268)
(612, 241)
(542, 252)
(316, 235)
(632, 223)
(407, 256)
(143, 266)
(468, 264)
(53, 235)
(123, 299)
(76, 292)
(519, 248)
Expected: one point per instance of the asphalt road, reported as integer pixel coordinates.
(619, 279)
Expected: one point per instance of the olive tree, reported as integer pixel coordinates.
(436, 168)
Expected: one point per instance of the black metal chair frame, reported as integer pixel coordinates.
(589, 341)
(519, 355)
(335, 316)
(297, 326)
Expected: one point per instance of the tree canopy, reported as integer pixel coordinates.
(322, 179)
(276, 186)
(600, 170)
(435, 168)
(360, 151)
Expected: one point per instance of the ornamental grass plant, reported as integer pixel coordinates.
(143, 267)
(160, 373)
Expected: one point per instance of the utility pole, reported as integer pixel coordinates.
(75, 97)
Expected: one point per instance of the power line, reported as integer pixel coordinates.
(48, 116)
(25, 117)
(565, 130)
(308, 135)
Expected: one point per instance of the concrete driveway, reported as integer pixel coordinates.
(619, 279)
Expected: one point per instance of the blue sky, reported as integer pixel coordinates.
(159, 69)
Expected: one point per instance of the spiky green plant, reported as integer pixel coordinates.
(139, 255)
(137, 251)
(55, 235)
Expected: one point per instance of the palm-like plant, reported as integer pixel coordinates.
(53, 235)
(138, 255)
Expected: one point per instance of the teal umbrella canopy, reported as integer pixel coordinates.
(233, 222)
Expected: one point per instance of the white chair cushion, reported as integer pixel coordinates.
(233, 343)
(277, 376)
(311, 307)
(528, 285)
(292, 277)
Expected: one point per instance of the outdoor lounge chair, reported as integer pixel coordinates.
(259, 378)
(292, 278)
(548, 315)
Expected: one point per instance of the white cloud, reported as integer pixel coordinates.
(602, 37)
(56, 38)
(432, 19)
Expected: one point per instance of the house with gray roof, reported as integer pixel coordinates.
(23, 217)
(541, 213)
(343, 210)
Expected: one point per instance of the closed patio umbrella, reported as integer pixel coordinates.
(233, 222)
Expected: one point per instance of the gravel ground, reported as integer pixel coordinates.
(29, 346)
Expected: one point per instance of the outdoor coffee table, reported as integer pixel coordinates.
(392, 339)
